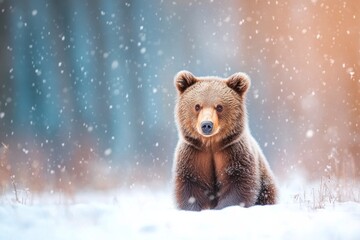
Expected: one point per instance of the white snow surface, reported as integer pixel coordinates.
(151, 214)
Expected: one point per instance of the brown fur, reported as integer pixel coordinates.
(226, 167)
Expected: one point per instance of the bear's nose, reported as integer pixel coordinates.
(207, 127)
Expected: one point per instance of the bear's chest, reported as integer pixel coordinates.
(220, 163)
(211, 166)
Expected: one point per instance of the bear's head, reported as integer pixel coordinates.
(210, 109)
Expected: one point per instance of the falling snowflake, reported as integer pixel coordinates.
(309, 133)
(107, 152)
(114, 64)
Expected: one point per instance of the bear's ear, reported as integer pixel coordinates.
(239, 82)
(183, 80)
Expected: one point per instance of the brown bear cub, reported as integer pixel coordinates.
(217, 161)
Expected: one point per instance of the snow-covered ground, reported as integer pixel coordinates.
(150, 214)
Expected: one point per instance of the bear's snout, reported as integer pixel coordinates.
(207, 127)
(207, 122)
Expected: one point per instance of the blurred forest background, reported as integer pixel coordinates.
(87, 95)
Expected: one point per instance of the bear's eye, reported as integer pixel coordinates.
(197, 107)
(219, 108)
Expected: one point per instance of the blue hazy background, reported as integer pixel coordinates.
(87, 93)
